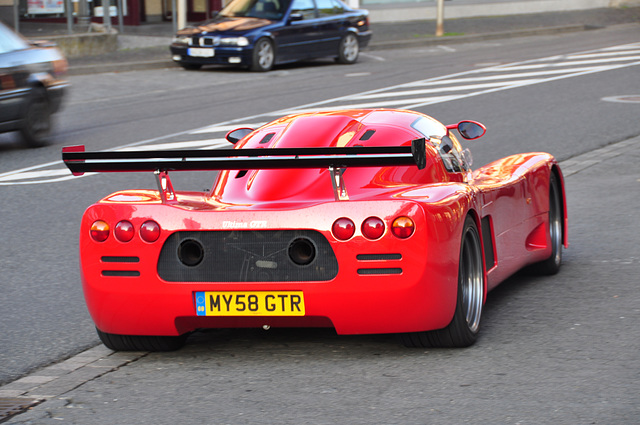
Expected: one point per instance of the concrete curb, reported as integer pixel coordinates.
(78, 45)
(121, 67)
(457, 39)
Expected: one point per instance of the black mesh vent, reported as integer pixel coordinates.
(249, 256)
(367, 135)
(120, 273)
(112, 259)
(380, 271)
(378, 257)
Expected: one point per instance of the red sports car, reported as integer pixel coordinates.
(367, 221)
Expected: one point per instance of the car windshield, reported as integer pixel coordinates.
(265, 9)
(10, 41)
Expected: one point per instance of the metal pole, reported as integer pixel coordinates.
(68, 7)
(106, 15)
(173, 16)
(120, 17)
(16, 15)
(182, 14)
(440, 19)
(84, 20)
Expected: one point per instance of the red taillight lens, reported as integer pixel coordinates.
(343, 229)
(402, 227)
(99, 231)
(124, 231)
(150, 231)
(373, 228)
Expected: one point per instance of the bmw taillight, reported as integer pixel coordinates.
(150, 231)
(402, 227)
(343, 229)
(124, 231)
(99, 231)
(372, 228)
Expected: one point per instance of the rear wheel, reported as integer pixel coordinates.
(464, 327)
(551, 265)
(263, 56)
(36, 125)
(141, 343)
(349, 49)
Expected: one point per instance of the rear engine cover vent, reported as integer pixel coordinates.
(247, 256)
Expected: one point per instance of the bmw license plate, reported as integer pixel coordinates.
(254, 303)
(200, 52)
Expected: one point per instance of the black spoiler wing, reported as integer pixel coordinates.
(80, 162)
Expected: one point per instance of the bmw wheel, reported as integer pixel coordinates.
(263, 55)
(141, 343)
(464, 327)
(349, 49)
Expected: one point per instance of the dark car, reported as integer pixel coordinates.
(31, 88)
(261, 33)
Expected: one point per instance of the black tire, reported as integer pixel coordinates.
(141, 343)
(191, 66)
(349, 49)
(264, 56)
(465, 325)
(36, 125)
(551, 265)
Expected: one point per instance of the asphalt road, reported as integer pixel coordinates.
(561, 349)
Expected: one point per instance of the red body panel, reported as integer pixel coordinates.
(510, 196)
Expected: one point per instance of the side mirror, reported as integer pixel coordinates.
(296, 16)
(471, 129)
(234, 136)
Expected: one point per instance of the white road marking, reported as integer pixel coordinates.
(410, 95)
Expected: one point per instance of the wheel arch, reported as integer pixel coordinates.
(272, 38)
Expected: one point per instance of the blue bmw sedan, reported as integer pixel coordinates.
(259, 34)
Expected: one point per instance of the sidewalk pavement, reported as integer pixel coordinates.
(147, 46)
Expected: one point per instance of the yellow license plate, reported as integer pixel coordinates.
(250, 303)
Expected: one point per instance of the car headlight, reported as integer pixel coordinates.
(181, 40)
(235, 41)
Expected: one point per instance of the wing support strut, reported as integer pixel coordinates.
(165, 187)
(337, 181)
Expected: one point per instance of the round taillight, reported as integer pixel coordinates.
(99, 231)
(150, 231)
(124, 231)
(373, 228)
(343, 229)
(402, 227)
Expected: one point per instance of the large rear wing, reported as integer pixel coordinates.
(161, 162)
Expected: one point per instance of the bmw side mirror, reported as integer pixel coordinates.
(234, 136)
(295, 17)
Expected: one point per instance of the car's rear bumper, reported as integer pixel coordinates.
(384, 286)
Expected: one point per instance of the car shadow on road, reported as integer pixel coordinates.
(502, 303)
